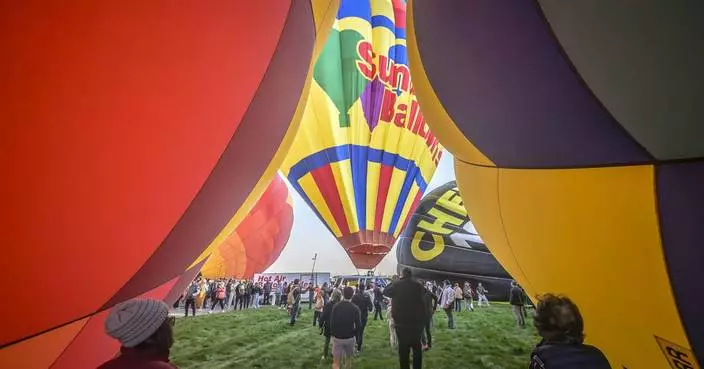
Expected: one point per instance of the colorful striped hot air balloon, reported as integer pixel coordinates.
(258, 239)
(133, 131)
(578, 134)
(364, 154)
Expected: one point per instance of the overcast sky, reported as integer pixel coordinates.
(309, 236)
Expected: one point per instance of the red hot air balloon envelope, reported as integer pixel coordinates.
(132, 132)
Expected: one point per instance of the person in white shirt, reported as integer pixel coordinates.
(447, 301)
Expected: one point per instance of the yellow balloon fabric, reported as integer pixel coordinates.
(575, 152)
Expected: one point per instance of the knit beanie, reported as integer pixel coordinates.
(133, 321)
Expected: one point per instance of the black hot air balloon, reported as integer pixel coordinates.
(440, 243)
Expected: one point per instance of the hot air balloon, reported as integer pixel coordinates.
(132, 134)
(577, 134)
(363, 155)
(258, 239)
(440, 242)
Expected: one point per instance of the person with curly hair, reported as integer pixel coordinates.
(561, 327)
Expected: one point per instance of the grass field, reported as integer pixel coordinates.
(250, 339)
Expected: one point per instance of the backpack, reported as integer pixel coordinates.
(291, 299)
(567, 356)
(220, 294)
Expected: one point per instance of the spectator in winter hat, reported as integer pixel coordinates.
(143, 328)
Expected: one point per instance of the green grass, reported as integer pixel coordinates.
(487, 338)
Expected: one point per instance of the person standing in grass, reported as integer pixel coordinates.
(378, 299)
(345, 325)
(277, 294)
(284, 296)
(481, 295)
(335, 297)
(294, 301)
(430, 302)
(516, 301)
(409, 311)
(458, 298)
(311, 295)
(319, 305)
(364, 303)
(469, 304)
(448, 303)
(325, 292)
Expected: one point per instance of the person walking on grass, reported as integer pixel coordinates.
(517, 303)
(284, 295)
(218, 298)
(447, 301)
(319, 305)
(190, 295)
(409, 312)
(345, 325)
(294, 301)
(311, 295)
(277, 294)
(364, 303)
(430, 302)
(335, 297)
(459, 296)
(467, 291)
(481, 295)
(378, 299)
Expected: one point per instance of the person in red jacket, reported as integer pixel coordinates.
(144, 330)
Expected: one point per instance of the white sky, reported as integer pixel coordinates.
(309, 236)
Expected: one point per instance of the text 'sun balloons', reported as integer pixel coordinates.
(440, 242)
(577, 133)
(258, 239)
(363, 155)
(131, 135)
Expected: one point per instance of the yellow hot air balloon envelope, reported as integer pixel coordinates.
(364, 154)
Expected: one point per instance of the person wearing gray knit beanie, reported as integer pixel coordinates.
(143, 328)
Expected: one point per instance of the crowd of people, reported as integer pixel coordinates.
(233, 294)
(143, 326)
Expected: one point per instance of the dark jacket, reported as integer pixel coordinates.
(325, 318)
(131, 358)
(345, 320)
(364, 303)
(516, 297)
(567, 356)
(408, 306)
(430, 302)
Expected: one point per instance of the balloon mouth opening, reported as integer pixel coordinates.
(367, 248)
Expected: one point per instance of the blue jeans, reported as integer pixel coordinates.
(450, 318)
(295, 309)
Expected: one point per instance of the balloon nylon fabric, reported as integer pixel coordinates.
(578, 145)
(364, 154)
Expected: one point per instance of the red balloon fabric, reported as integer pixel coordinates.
(132, 132)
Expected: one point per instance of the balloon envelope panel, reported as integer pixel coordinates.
(258, 240)
(440, 242)
(129, 143)
(364, 154)
(577, 139)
